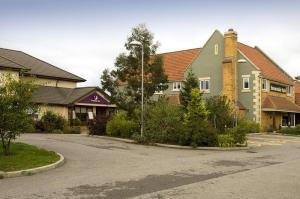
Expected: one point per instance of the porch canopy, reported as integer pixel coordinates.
(279, 104)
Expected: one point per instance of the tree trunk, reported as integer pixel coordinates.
(5, 146)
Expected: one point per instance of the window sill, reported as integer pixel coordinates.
(265, 91)
(176, 90)
(246, 91)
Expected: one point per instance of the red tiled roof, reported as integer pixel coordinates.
(176, 63)
(279, 104)
(268, 68)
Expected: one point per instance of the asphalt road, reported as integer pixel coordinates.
(101, 168)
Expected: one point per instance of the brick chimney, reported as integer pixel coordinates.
(229, 65)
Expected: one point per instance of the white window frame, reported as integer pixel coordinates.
(216, 49)
(266, 85)
(175, 86)
(246, 77)
(289, 90)
(207, 81)
(158, 92)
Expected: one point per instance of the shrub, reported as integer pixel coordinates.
(163, 122)
(140, 140)
(72, 130)
(50, 122)
(98, 126)
(220, 112)
(226, 140)
(249, 126)
(290, 131)
(205, 137)
(76, 122)
(121, 126)
(57, 131)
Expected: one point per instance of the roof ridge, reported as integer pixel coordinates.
(52, 65)
(179, 51)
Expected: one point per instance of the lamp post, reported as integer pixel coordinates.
(137, 43)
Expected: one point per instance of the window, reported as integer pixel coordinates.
(289, 90)
(264, 84)
(288, 119)
(205, 85)
(176, 86)
(216, 49)
(246, 83)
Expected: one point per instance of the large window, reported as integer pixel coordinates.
(288, 119)
(264, 84)
(82, 112)
(176, 86)
(205, 85)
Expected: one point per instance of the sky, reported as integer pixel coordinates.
(85, 36)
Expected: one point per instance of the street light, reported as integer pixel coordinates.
(137, 43)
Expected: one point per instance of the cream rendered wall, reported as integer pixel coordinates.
(53, 82)
(60, 110)
(3, 73)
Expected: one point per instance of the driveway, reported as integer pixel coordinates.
(101, 168)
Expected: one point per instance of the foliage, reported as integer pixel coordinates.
(249, 126)
(226, 140)
(163, 122)
(128, 71)
(220, 112)
(57, 131)
(188, 84)
(72, 130)
(290, 131)
(98, 126)
(205, 137)
(121, 126)
(141, 139)
(16, 106)
(50, 122)
(24, 156)
(76, 122)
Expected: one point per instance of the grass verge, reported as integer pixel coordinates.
(24, 156)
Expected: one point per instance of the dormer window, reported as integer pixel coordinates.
(176, 86)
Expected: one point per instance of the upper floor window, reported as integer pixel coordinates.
(246, 83)
(289, 90)
(176, 86)
(264, 84)
(216, 49)
(205, 85)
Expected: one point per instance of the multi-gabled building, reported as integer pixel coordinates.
(57, 91)
(261, 90)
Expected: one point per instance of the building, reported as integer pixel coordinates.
(297, 98)
(260, 89)
(57, 90)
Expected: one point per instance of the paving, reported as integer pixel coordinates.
(101, 168)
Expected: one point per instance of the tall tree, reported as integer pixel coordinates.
(15, 107)
(127, 71)
(188, 84)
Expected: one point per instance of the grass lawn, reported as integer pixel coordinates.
(24, 156)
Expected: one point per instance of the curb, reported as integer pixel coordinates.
(176, 146)
(29, 172)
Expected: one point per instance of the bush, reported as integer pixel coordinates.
(205, 137)
(163, 122)
(50, 122)
(249, 126)
(226, 140)
(72, 130)
(139, 139)
(121, 126)
(98, 126)
(290, 131)
(76, 122)
(57, 131)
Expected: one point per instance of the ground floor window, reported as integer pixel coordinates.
(82, 112)
(288, 119)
